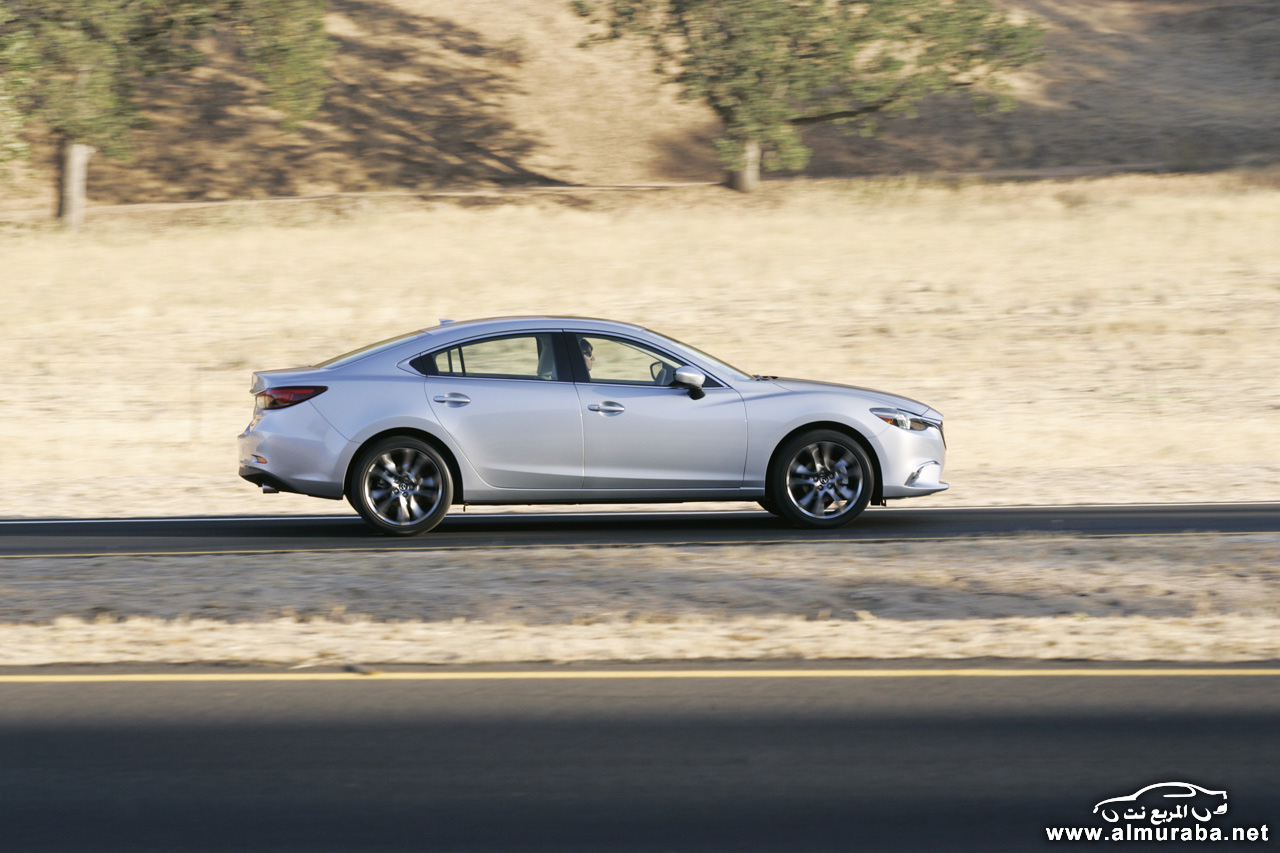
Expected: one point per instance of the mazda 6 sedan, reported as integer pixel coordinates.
(546, 410)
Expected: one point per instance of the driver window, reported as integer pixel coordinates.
(615, 362)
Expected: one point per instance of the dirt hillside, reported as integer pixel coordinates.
(435, 93)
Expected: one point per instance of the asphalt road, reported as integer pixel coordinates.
(329, 533)
(955, 763)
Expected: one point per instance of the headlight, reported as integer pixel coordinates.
(905, 420)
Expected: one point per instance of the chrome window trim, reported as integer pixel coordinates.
(435, 376)
(406, 364)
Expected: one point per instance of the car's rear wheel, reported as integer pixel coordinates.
(401, 486)
(821, 479)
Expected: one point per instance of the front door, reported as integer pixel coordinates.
(640, 433)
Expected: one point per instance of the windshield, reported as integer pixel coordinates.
(348, 357)
(711, 360)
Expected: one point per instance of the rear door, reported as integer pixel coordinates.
(510, 406)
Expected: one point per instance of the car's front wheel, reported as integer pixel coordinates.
(822, 479)
(401, 486)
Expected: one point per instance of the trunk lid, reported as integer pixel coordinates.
(264, 379)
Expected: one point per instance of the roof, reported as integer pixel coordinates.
(532, 321)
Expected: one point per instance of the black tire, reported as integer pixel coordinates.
(821, 479)
(401, 486)
(769, 505)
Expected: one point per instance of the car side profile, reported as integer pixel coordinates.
(547, 410)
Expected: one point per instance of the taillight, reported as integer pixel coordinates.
(283, 398)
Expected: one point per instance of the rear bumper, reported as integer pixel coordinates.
(294, 450)
(268, 481)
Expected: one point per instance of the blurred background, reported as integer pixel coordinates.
(1086, 285)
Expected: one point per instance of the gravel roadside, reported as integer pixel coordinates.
(1196, 597)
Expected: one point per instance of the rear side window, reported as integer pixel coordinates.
(510, 357)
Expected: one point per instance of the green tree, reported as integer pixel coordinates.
(14, 70)
(770, 67)
(74, 65)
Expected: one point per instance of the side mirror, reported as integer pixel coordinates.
(691, 378)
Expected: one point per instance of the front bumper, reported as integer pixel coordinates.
(912, 462)
(926, 480)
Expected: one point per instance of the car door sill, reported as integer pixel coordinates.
(587, 496)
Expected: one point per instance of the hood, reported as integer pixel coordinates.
(876, 398)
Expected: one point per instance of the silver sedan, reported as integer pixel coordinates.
(545, 410)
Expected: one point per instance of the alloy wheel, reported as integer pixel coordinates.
(402, 486)
(825, 480)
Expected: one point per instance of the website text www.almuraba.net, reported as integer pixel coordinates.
(1158, 833)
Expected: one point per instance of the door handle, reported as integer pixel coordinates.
(608, 407)
(453, 399)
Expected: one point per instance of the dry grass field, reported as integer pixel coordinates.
(1090, 340)
(1112, 340)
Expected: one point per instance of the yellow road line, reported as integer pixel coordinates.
(691, 544)
(585, 675)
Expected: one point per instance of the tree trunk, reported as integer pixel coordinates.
(72, 176)
(747, 179)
